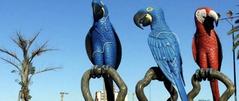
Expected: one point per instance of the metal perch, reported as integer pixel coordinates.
(154, 73)
(102, 71)
(203, 74)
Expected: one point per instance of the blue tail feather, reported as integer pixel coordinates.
(181, 89)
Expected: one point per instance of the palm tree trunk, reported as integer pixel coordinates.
(25, 94)
(19, 96)
(25, 82)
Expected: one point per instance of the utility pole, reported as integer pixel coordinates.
(62, 95)
(231, 17)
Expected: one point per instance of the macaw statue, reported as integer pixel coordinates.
(102, 44)
(206, 46)
(164, 46)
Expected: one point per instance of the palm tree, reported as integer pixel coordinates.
(23, 66)
(235, 29)
(235, 39)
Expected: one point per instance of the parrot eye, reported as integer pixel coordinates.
(201, 15)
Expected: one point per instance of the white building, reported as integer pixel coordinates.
(101, 96)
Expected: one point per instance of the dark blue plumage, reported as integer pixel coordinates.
(102, 44)
(164, 46)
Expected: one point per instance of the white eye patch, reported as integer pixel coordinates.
(149, 9)
(200, 15)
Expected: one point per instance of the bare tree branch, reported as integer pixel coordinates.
(22, 43)
(39, 51)
(32, 40)
(12, 54)
(45, 70)
(12, 63)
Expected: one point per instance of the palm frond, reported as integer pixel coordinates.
(32, 40)
(233, 30)
(47, 69)
(12, 63)
(39, 51)
(237, 37)
(22, 43)
(12, 54)
(44, 70)
(236, 44)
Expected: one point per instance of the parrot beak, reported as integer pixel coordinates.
(98, 11)
(216, 22)
(215, 16)
(219, 16)
(142, 19)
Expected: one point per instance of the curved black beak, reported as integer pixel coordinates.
(98, 12)
(216, 21)
(138, 18)
(215, 16)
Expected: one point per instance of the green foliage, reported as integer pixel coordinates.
(236, 44)
(233, 30)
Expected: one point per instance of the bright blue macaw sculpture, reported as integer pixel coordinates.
(102, 44)
(163, 45)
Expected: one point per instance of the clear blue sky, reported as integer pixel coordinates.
(64, 23)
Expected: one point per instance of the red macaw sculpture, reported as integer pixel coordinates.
(206, 46)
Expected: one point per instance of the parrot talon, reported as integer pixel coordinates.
(98, 76)
(197, 75)
(93, 76)
(108, 66)
(210, 70)
(96, 71)
(203, 74)
(95, 66)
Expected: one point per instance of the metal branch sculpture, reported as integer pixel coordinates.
(103, 70)
(203, 74)
(154, 73)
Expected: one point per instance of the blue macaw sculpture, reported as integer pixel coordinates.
(102, 44)
(163, 45)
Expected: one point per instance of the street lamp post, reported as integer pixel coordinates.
(62, 95)
(231, 17)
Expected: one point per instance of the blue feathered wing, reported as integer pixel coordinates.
(166, 52)
(89, 48)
